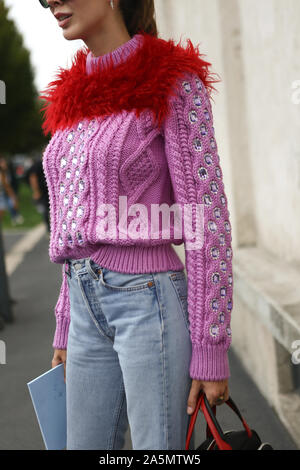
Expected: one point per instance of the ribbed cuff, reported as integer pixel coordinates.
(209, 362)
(61, 333)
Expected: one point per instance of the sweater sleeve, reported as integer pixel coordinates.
(62, 314)
(197, 180)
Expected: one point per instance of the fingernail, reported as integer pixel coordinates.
(190, 410)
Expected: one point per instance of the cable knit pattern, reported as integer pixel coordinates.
(96, 160)
(62, 314)
(194, 163)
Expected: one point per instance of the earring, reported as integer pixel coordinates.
(112, 4)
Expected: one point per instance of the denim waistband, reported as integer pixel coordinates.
(72, 262)
(76, 261)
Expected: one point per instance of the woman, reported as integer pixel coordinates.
(36, 179)
(132, 129)
(6, 191)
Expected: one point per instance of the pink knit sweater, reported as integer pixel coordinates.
(97, 160)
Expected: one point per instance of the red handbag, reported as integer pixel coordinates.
(216, 439)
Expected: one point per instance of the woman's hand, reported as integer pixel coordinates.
(60, 355)
(212, 390)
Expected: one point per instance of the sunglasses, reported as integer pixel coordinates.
(44, 4)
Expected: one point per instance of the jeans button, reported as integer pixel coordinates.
(77, 266)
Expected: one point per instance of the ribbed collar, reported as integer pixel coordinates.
(118, 55)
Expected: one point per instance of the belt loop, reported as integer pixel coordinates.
(67, 271)
(89, 268)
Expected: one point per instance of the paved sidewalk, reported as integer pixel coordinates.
(35, 286)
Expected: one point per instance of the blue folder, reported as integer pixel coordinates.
(48, 394)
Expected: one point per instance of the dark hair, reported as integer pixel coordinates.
(139, 15)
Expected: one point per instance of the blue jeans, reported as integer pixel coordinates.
(128, 358)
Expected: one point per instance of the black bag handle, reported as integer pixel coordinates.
(213, 427)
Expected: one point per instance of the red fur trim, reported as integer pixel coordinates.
(143, 81)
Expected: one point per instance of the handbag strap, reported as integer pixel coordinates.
(213, 427)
